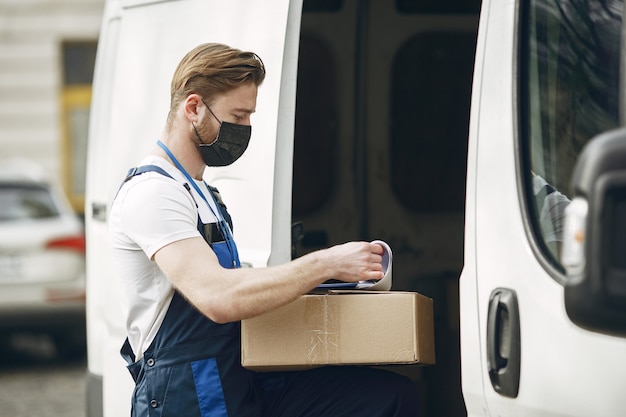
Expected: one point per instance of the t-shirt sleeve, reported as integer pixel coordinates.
(156, 211)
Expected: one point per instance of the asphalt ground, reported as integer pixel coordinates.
(36, 382)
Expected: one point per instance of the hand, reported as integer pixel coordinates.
(354, 261)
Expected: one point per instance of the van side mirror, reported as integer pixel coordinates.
(594, 247)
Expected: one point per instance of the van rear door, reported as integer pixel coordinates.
(142, 41)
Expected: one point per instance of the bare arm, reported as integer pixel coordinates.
(226, 295)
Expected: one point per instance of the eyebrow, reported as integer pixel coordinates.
(244, 110)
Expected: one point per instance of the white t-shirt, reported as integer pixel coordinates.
(150, 212)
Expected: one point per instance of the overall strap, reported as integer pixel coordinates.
(143, 169)
(155, 168)
(140, 170)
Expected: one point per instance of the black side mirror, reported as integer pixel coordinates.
(594, 247)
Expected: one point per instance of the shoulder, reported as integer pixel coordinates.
(154, 177)
(153, 194)
(151, 211)
(152, 184)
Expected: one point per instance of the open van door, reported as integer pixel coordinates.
(141, 43)
(536, 341)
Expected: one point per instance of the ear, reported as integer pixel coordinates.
(191, 106)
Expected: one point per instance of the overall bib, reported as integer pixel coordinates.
(193, 366)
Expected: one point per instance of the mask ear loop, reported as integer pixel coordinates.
(218, 121)
(210, 111)
(202, 143)
(197, 134)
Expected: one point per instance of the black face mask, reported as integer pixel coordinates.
(231, 142)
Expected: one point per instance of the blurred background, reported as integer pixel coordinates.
(47, 56)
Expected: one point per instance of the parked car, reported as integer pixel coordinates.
(42, 259)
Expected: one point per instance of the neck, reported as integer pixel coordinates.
(185, 152)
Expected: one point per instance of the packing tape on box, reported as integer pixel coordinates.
(323, 346)
(385, 283)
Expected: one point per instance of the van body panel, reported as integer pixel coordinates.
(565, 370)
(102, 329)
(362, 56)
(472, 365)
(141, 43)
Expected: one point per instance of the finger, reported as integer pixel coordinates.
(377, 259)
(377, 249)
(373, 275)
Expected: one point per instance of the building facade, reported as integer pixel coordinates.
(47, 54)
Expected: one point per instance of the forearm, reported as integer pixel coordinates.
(225, 295)
(248, 292)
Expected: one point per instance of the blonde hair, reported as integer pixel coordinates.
(213, 68)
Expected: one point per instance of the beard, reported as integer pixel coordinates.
(200, 134)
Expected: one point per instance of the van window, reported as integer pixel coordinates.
(316, 130)
(21, 202)
(569, 91)
(322, 5)
(431, 89)
(438, 6)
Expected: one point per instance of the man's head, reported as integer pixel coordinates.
(211, 69)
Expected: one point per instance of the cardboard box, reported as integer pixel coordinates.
(339, 328)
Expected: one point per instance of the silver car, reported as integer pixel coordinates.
(42, 260)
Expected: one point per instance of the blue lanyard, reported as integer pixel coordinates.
(221, 223)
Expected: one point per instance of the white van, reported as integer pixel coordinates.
(361, 132)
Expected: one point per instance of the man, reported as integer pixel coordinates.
(183, 291)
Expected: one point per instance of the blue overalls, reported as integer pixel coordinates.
(193, 366)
